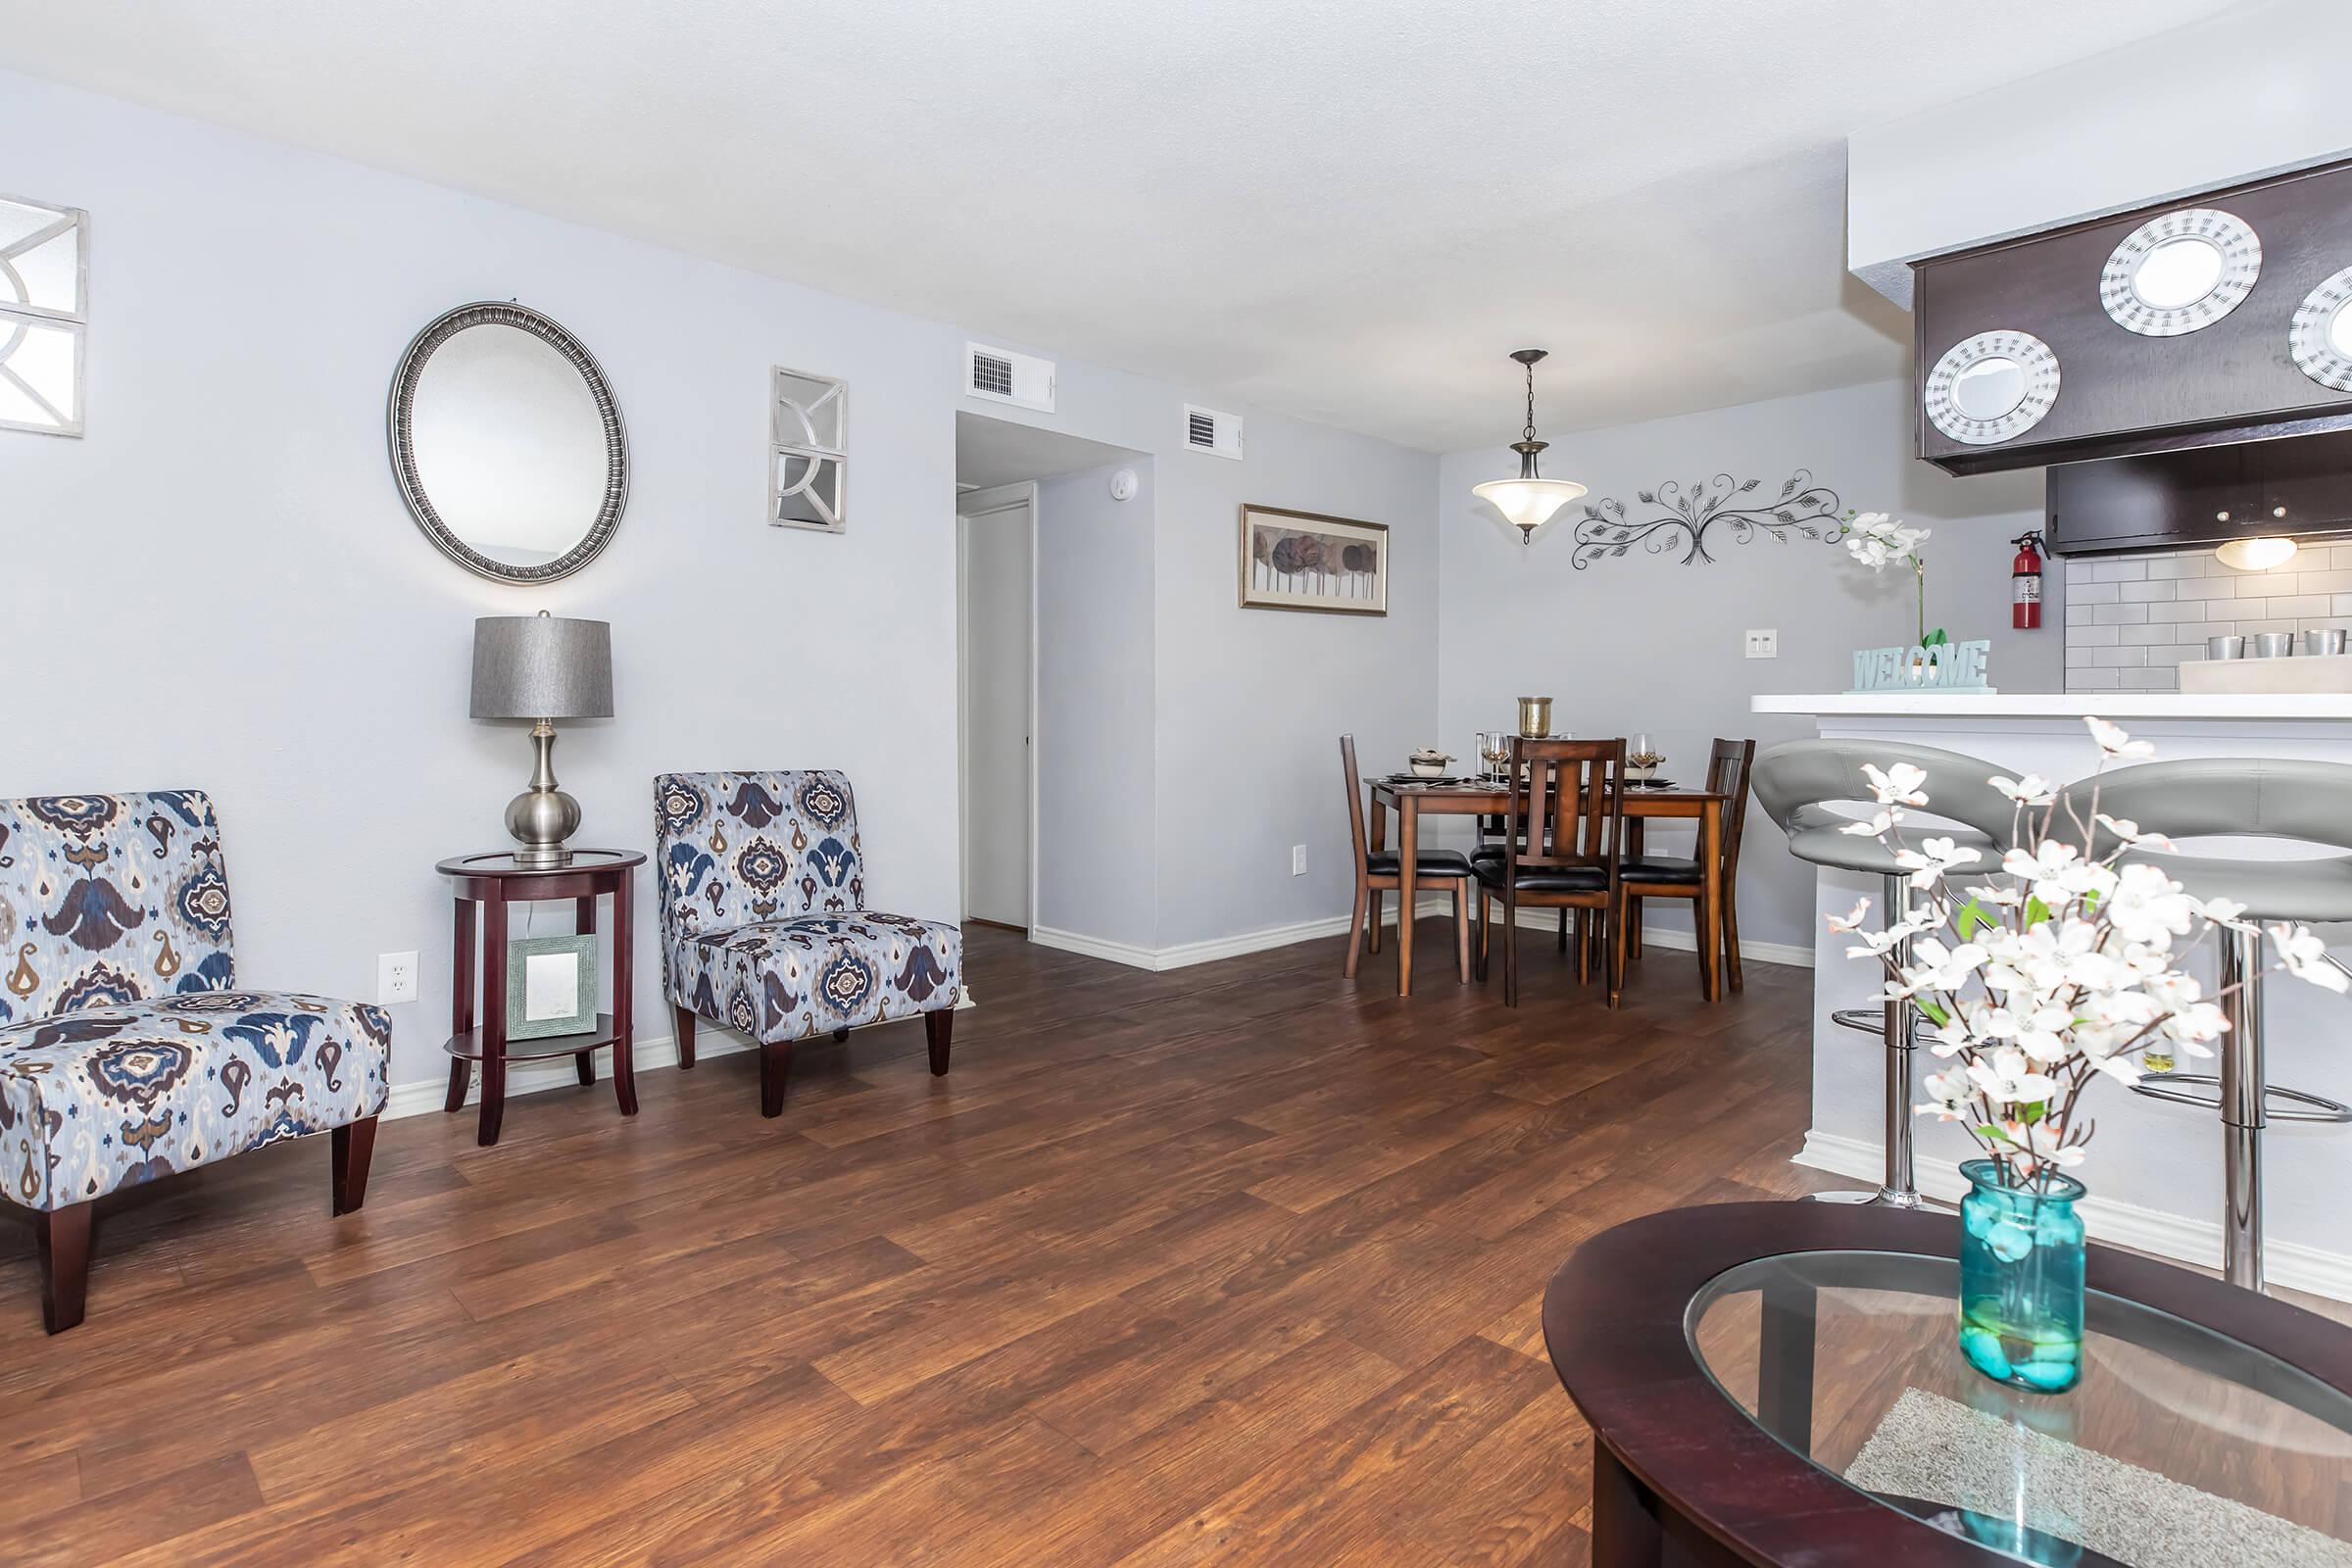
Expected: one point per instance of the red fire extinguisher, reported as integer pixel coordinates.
(2024, 583)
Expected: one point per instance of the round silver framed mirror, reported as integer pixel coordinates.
(1991, 387)
(2180, 272)
(507, 443)
(2319, 339)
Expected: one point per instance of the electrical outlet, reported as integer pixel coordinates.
(395, 978)
(1298, 860)
(1764, 645)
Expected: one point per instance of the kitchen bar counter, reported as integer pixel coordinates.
(2154, 1170)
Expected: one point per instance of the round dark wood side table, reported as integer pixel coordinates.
(1781, 1384)
(495, 881)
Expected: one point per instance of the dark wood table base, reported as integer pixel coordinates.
(493, 882)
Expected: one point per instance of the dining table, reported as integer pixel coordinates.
(1411, 799)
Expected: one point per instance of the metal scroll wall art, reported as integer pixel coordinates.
(1673, 516)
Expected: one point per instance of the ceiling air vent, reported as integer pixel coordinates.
(1218, 434)
(1004, 376)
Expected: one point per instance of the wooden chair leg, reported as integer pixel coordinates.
(938, 1027)
(352, 1145)
(775, 1067)
(1584, 948)
(1378, 899)
(62, 1237)
(1510, 954)
(1483, 901)
(1617, 923)
(1461, 927)
(685, 1032)
(585, 1065)
(1564, 926)
(1633, 928)
(1355, 928)
(1730, 934)
(461, 1080)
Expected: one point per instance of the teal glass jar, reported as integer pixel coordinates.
(2020, 1279)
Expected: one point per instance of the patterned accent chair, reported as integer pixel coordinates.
(127, 1050)
(765, 926)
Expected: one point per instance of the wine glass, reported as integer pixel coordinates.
(1643, 760)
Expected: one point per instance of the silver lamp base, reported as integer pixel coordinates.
(543, 816)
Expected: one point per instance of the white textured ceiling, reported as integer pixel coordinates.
(1348, 212)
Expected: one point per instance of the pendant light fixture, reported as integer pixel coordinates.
(1528, 502)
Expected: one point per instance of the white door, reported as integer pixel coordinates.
(999, 646)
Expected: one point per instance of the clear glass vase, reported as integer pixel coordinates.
(2020, 1279)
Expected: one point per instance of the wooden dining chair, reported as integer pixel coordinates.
(1377, 873)
(1564, 835)
(1662, 876)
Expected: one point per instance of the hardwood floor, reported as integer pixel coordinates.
(1236, 1263)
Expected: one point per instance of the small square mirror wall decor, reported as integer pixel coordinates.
(44, 315)
(808, 446)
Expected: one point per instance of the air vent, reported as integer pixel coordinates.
(1004, 376)
(1218, 434)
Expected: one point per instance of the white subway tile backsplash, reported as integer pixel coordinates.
(2131, 623)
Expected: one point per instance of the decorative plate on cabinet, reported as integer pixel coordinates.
(2180, 272)
(1991, 387)
(2321, 339)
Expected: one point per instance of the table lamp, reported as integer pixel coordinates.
(542, 667)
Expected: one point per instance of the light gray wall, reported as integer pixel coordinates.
(219, 587)
(1250, 704)
(1644, 643)
(1095, 873)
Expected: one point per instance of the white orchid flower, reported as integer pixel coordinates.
(2227, 912)
(2129, 831)
(1840, 924)
(1934, 856)
(2148, 906)
(1898, 785)
(2114, 742)
(2032, 790)
(1937, 968)
(2006, 1077)
(2305, 956)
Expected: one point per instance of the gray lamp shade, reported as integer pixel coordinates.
(542, 667)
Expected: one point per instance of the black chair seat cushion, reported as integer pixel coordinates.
(1661, 868)
(1546, 879)
(1427, 862)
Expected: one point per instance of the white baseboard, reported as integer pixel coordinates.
(2108, 1219)
(1282, 936)
(651, 1053)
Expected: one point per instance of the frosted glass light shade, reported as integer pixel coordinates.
(2256, 554)
(1528, 504)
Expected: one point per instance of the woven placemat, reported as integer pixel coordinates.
(1933, 1448)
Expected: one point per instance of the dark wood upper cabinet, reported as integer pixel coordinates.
(2124, 394)
(2202, 496)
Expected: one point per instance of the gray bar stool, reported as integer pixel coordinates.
(2309, 802)
(1795, 782)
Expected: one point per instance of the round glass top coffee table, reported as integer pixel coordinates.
(1780, 1382)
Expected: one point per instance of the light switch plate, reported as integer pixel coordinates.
(1764, 644)
(395, 978)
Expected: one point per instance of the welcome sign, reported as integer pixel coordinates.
(1957, 667)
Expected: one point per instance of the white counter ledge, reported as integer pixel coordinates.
(2117, 705)
(2154, 1171)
